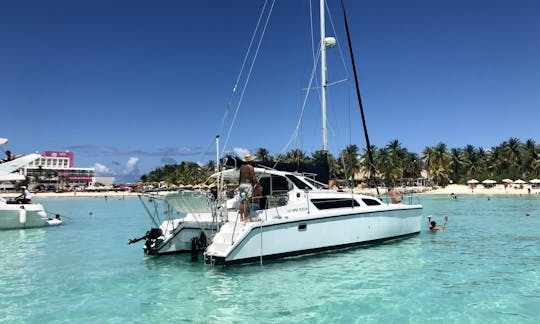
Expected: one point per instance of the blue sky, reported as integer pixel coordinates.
(131, 85)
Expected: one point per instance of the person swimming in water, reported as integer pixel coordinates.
(433, 224)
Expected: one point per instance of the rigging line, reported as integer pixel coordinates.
(148, 212)
(370, 154)
(243, 66)
(312, 32)
(298, 124)
(248, 76)
(339, 48)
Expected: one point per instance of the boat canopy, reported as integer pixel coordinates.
(189, 202)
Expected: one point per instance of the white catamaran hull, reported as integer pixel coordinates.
(304, 235)
(16, 216)
(178, 236)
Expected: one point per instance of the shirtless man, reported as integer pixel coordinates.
(247, 181)
(395, 196)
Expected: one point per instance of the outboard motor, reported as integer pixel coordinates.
(152, 240)
(197, 244)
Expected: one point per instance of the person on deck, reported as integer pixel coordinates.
(9, 156)
(248, 181)
(25, 197)
(433, 224)
(395, 196)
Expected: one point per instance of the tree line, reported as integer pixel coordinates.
(511, 159)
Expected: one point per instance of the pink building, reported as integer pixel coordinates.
(56, 168)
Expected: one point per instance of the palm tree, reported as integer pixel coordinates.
(210, 167)
(513, 152)
(412, 165)
(386, 166)
(350, 161)
(397, 155)
(530, 155)
(428, 157)
(263, 154)
(295, 155)
(456, 164)
(437, 162)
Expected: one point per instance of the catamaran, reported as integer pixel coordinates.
(302, 216)
(296, 214)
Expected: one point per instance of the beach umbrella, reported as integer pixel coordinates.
(519, 181)
(535, 181)
(507, 180)
(474, 181)
(489, 181)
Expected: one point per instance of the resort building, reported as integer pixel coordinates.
(55, 171)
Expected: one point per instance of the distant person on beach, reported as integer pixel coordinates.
(25, 197)
(433, 224)
(248, 180)
(453, 196)
(395, 196)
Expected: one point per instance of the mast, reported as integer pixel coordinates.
(218, 162)
(323, 79)
(373, 172)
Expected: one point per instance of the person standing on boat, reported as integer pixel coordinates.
(248, 180)
(395, 196)
(25, 197)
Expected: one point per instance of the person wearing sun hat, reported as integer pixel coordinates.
(247, 182)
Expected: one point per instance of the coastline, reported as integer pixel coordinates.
(74, 194)
(459, 190)
(480, 190)
(453, 188)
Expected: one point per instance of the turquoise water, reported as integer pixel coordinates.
(483, 269)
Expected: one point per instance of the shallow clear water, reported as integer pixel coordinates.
(483, 269)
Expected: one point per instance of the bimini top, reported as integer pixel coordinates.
(300, 181)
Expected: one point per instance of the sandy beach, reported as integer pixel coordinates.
(454, 188)
(71, 194)
(460, 190)
(480, 190)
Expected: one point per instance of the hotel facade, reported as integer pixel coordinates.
(54, 170)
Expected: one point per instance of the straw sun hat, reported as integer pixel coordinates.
(248, 158)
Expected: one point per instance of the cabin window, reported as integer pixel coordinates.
(302, 227)
(298, 183)
(329, 203)
(370, 202)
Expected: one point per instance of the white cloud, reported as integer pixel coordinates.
(131, 166)
(241, 152)
(101, 169)
(129, 173)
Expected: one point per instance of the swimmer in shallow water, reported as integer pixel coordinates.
(433, 224)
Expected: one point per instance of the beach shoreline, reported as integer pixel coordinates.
(481, 190)
(75, 194)
(458, 190)
(447, 190)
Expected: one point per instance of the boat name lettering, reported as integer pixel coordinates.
(294, 210)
